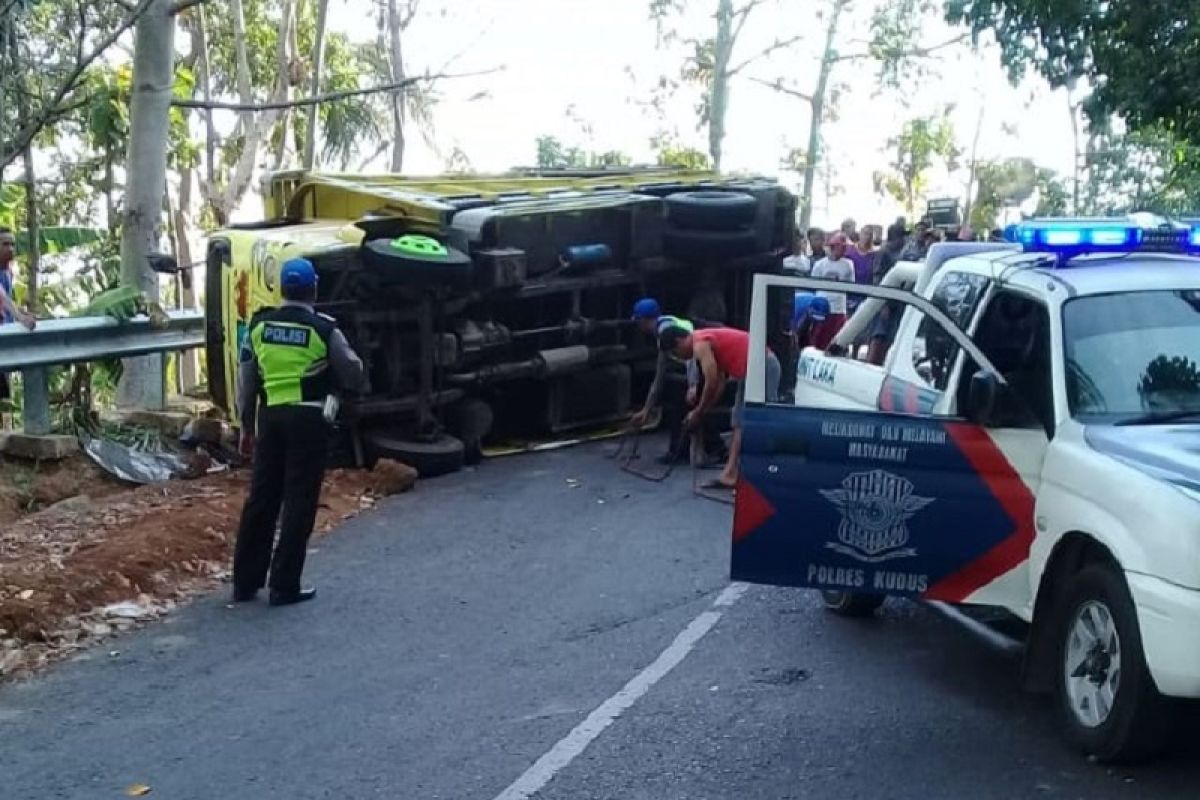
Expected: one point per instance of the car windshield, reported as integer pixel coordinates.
(1133, 356)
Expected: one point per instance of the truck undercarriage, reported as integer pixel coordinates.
(498, 316)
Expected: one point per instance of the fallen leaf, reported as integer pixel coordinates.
(137, 790)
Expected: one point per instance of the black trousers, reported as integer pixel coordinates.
(289, 464)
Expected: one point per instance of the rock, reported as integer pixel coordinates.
(128, 609)
(204, 431)
(40, 448)
(391, 477)
(98, 629)
(72, 505)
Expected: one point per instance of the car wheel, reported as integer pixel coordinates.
(432, 458)
(689, 245)
(1106, 697)
(852, 604)
(711, 210)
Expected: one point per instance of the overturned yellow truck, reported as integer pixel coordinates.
(494, 307)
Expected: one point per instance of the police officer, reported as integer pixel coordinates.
(293, 359)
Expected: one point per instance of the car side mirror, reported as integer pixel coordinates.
(981, 397)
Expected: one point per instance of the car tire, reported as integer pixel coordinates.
(852, 604)
(1133, 723)
(407, 269)
(711, 210)
(439, 456)
(690, 245)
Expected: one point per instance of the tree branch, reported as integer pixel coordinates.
(328, 97)
(779, 44)
(778, 86)
(53, 108)
(183, 5)
(743, 13)
(916, 52)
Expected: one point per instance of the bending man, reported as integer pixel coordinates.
(722, 354)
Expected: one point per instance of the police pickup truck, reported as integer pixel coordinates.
(1030, 443)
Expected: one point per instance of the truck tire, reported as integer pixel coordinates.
(1107, 700)
(430, 459)
(711, 210)
(852, 604)
(691, 245)
(410, 268)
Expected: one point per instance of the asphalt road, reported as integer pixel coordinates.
(503, 634)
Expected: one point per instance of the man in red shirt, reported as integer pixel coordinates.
(722, 354)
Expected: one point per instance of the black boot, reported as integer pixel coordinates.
(291, 598)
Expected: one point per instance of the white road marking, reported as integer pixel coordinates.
(574, 743)
(991, 637)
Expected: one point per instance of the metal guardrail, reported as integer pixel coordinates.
(81, 339)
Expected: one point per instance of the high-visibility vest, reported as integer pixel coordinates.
(291, 345)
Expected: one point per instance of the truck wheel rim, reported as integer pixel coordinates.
(1092, 664)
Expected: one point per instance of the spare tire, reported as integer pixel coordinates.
(439, 456)
(686, 245)
(417, 261)
(711, 210)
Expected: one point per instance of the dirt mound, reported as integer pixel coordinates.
(26, 487)
(94, 565)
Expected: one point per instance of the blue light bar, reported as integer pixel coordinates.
(1069, 237)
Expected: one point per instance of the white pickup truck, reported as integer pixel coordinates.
(1031, 443)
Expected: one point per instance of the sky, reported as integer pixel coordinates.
(582, 70)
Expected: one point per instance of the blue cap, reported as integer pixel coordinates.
(646, 308)
(298, 273)
(809, 306)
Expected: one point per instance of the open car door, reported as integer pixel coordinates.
(869, 494)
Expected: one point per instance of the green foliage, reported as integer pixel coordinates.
(896, 30)
(1146, 170)
(921, 143)
(1141, 56)
(552, 154)
(1000, 185)
(347, 125)
(1053, 197)
(670, 153)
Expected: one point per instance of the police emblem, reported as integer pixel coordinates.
(874, 506)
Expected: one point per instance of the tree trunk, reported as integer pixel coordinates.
(32, 225)
(189, 365)
(396, 56)
(255, 126)
(310, 139)
(974, 167)
(288, 49)
(1075, 176)
(110, 197)
(718, 99)
(33, 263)
(204, 78)
(828, 61)
(146, 165)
